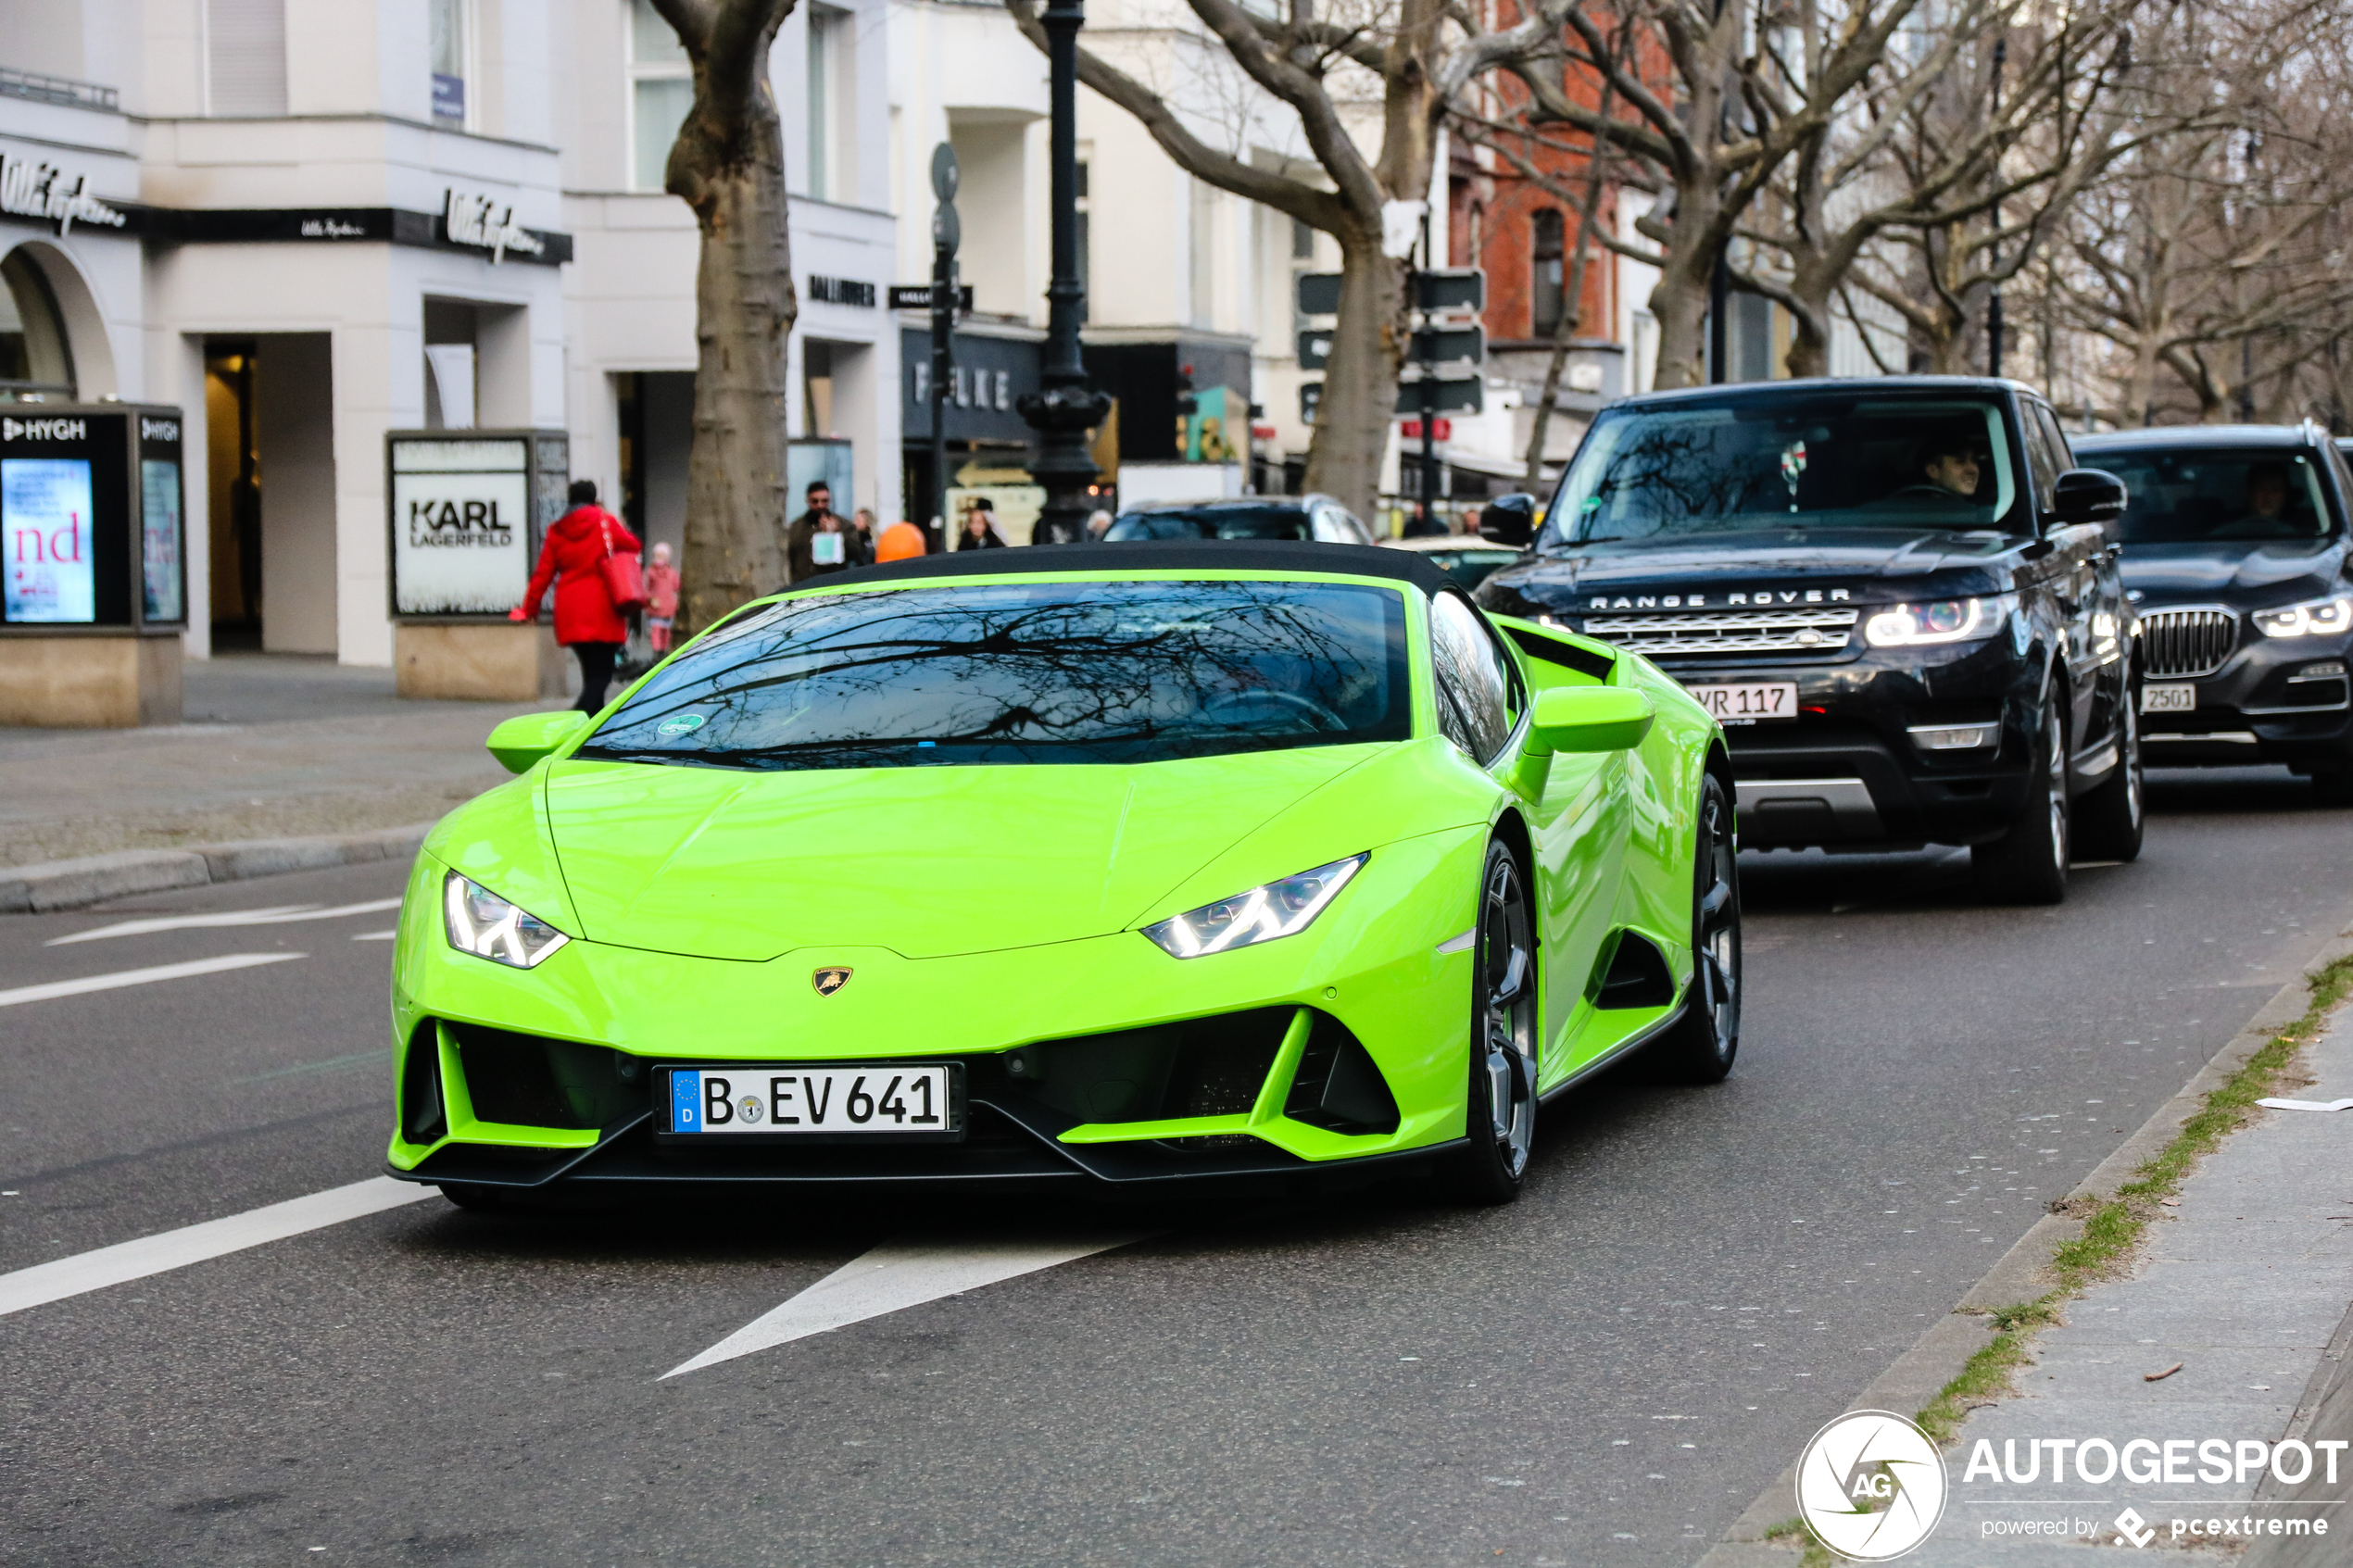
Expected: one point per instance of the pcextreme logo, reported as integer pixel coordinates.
(1871, 1484)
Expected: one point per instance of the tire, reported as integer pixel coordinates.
(2332, 786)
(1500, 1105)
(2109, 819)
(1701, 1046)
(2028, 865)
(473, 1196)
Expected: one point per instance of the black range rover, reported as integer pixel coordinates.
(1900, 595)
(2234, 559)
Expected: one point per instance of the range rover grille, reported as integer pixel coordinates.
(2181, 643)
(1695, 634)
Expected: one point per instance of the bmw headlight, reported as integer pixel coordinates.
(1944, 621)
(2314, 617)
(1279, 908)
(481, 923)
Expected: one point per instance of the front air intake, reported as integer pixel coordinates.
(422, 1120)
(2185, 643)
(529, 1081)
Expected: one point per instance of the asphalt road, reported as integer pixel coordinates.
(1603, 1373)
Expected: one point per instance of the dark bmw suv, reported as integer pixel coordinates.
(1900, 595)
(2234, 558)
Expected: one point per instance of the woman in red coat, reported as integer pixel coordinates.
(586, 619)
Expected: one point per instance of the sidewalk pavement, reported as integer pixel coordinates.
(273, 745)
(2245, 1287)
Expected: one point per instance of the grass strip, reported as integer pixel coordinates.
(2116, 1226)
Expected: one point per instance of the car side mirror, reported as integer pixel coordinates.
(2089, 496)
(1509, 519)
(525, 738)
(1589, 719)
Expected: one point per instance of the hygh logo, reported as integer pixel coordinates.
(1871, 1484)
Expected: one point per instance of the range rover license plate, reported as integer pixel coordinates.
(2168, 699)
(792, 1099)
(1751, 702)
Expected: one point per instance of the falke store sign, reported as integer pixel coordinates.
(480, 224)
(33, 189)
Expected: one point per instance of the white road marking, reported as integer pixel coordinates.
(55, 988)
(279, 914)
(159, 1254)
(377, 935)
(896, 1275)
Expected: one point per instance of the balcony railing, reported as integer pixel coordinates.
(42, 88)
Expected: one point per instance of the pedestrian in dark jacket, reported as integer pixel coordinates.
(573, 558)
(820, 542)
(979, 531)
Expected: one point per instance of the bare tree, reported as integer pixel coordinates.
(1723, 92)
(728, 164)
(1414, 57)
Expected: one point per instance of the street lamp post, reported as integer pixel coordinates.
(1064, 407)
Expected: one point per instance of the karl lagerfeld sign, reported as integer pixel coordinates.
(460, 524)
(32, 189)
(480, 224)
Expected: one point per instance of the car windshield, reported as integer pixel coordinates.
(1214, 522)
(2187, 494)
(1013, 673)
(1849, 460)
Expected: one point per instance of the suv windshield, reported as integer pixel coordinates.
(1214, 522)
(2189, 494)
(1134, 671)
(1823, 461)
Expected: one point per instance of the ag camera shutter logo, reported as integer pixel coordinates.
(1871, 1485)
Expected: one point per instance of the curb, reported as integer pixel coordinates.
(2022, 1272)
(94, 878)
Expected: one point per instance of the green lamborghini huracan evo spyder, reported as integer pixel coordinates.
(1114, 866)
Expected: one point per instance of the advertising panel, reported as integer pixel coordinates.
(162, 521)
(52, 559)
(460, 524)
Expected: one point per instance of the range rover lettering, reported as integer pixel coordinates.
(1900, 597)
(2234, 558)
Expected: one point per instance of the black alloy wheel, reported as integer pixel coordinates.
(2027, 864)
(1701, 1046)
(1500, 1111)
(2108, 820)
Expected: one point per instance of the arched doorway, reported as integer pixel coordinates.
(36, 359)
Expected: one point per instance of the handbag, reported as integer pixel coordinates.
(623, 581)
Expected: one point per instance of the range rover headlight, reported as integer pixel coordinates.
(480, 922)
(1278, 908)
(2314, 617)
(1943, 620)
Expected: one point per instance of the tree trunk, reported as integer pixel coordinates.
(1369, 343)
(729, 165)
(1679, 306)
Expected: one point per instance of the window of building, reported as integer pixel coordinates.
(35, 364)
(1546, 299)
(832, 51)
(449, 41)
(661, 89)
(244, 56)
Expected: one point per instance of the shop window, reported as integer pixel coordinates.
(661, 89)
(244, 56)
(1545, 301)
(35, 363)
(449, 41)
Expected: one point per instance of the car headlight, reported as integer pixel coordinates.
(2315, 618)
(1279, 908)
(1946, 620)
(481, 923)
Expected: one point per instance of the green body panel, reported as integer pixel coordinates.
(981, 908)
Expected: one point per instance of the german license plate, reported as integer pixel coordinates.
(801, 1099)
(2168, 699)
(1749, 703)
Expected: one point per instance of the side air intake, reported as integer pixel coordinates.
(1632, 973)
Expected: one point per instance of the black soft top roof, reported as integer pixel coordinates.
(1269, 558)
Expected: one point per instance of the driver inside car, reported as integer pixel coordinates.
(2268, 496)
(1948, 471)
